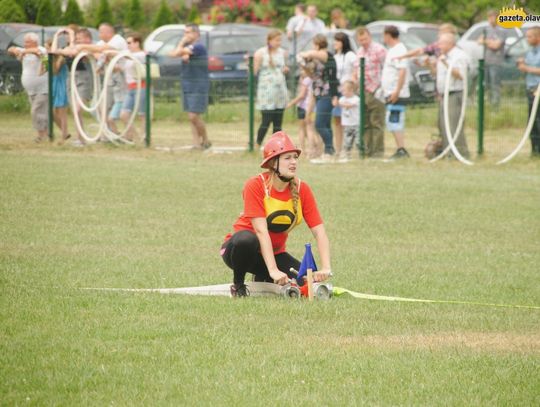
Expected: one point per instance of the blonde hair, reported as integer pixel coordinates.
(271, 35)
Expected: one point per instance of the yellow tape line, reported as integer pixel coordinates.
(340, 291)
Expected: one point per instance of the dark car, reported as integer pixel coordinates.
(10, 67)
(227, 45)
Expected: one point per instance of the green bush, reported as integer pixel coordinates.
(46, 13)
(17, 103)
(134, 16)
(164, 15)
(104, 13)
(11, 12)
(73, 14)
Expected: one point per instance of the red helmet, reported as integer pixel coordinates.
(279, 143)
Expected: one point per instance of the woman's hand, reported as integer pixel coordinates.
(279, 277)
(322, 275)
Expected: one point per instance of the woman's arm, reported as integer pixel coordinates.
(321, 54)
(261, 230)
(323, 244)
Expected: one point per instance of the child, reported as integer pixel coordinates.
(350, 119)
(304, 107)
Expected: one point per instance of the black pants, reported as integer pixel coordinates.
(242, 254)
(535, 132)
(269, 116)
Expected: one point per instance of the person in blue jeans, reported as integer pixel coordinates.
(325, 90)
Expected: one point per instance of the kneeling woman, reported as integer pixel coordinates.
(274, 203)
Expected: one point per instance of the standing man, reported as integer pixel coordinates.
(299, 15)
(494, 57)
(450, 54)
(531, 66)
(195, 82)
(307, 28)
(35, 82)
(374, 54)
(395, 86)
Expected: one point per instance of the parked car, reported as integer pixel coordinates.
(10, 67)
(413, 35)
(228, 46)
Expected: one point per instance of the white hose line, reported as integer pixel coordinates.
(112, 136)
(76, 97)
(527, 133)
(453, 137)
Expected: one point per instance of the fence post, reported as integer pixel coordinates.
(480, 126)
(50, 95)
(251, 86)
(148, 90)
(362, 107)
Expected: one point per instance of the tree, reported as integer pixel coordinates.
(73, 14)
(30, 8)
(104, 14)
(135, 15)
(163, 16)
(11, 12)
(45, 15)
(194, 16)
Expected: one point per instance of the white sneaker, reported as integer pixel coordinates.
(324, 159)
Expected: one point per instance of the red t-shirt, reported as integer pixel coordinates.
(276, 207)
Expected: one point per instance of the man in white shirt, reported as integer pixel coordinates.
(307, 28)
(395, 87)
(451, 54)
(299, 15)
(35, 82)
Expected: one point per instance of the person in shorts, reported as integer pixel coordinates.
(350, 119)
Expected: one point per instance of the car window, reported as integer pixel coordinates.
(168, 34)
(5, 38)
(232, 44)
(426, 34)
(412, 41)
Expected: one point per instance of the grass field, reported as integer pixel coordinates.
(129, 217)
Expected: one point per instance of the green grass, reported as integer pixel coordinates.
(129, 217)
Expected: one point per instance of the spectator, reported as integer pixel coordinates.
(299, 15)
(350, 117)
(374, 55)
(132, 70)
(195, 82)
(110, 41)
(304, 105)
(307, 28)
(431, 50)
(269, 63)
(35, 82)
(83, 74)
(325, 91)
(59, 82)
(451, 54)
(338, 20)
(395, 87)
(345, 60)
(531, 66)
(493, 56)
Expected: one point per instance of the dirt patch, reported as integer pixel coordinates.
(477, 341)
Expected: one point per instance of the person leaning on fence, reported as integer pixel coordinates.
(395, 87)
(374, 55)
(493, 42)
(59, 81)
(274, 203)
(269, 63)
(83, 75)
(530, 65)
(350, 118)
(35, 81)
(325, 91)
(451, 54)
(195, 82)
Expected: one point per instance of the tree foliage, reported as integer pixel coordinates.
(134, 16)
(73, 14)
(30, 8)
(104, 13)
(45, 15)
(11, 12)
(164, 15)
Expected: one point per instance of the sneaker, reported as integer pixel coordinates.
(239, 290)
(400, 153)
(324, 159)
